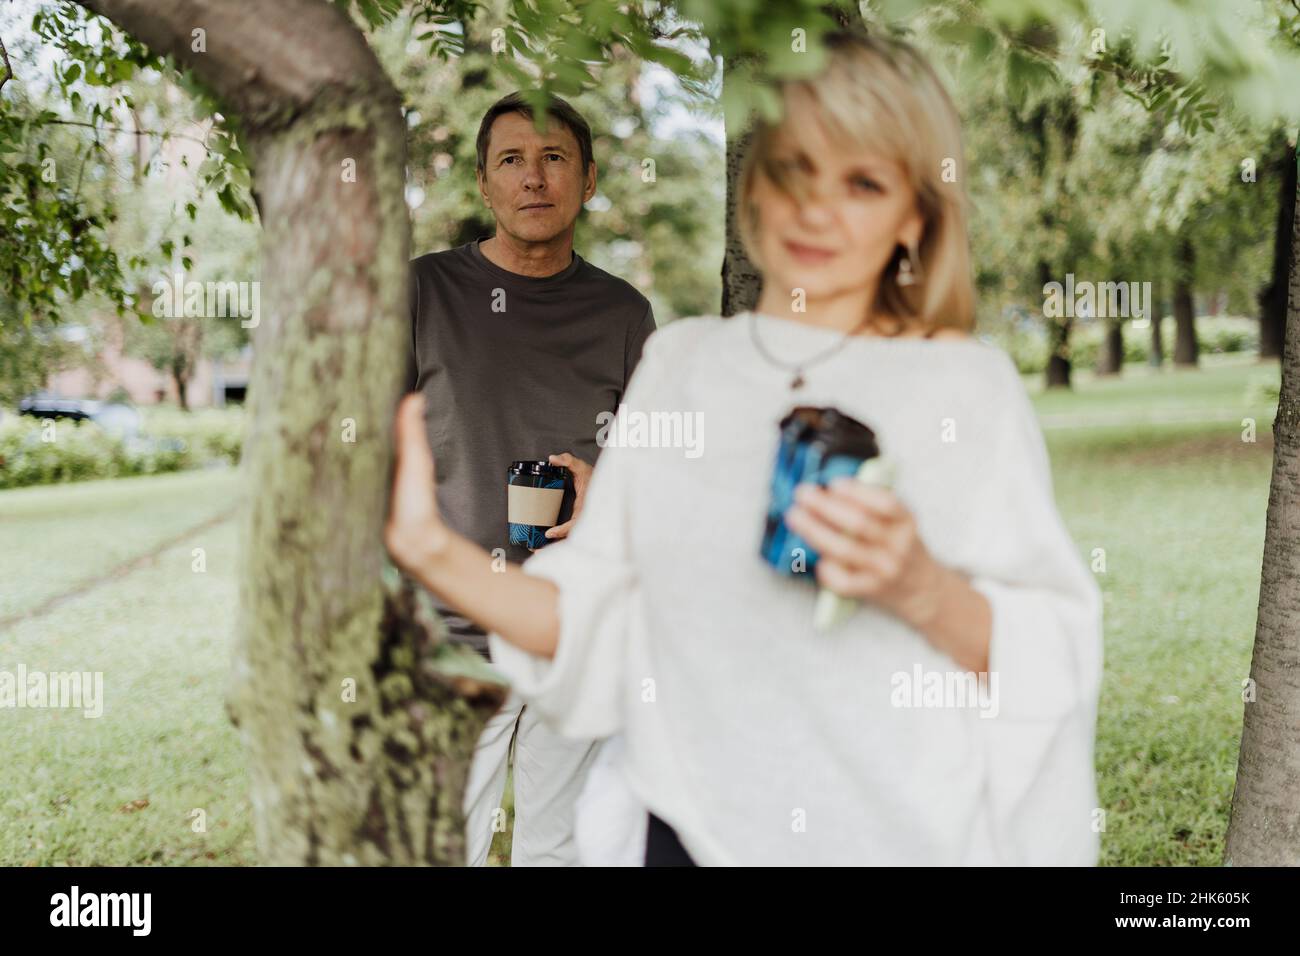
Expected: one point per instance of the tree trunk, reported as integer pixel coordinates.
(741, 281)
(1273, 300)
(479, 222)
(187, 348)
(1058, 338)
(1037, 129)
(1110, 357)
(181, 377)
(358, 731)
(1156, 355)
(1265, 825)
(1185, 348)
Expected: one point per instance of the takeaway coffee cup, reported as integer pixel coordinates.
(535, 491)
(817, 445)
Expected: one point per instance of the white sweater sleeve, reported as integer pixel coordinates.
(1045, 652)
(579, 692)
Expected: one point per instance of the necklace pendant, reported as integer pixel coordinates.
(797, 381)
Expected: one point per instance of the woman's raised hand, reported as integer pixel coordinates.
(415, 532)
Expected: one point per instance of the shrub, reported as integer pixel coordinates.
(76, 452)
(81, 451)
(210, 434)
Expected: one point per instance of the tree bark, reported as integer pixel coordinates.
(479, 222)
(187, 347)
(1186, 351)
(1273, 300)
(1156, 355)
(1110, 358)
(1058, 338)
(1037, 129)
(373, 776)
(181, 379)
(741, 282)
(1265, 824)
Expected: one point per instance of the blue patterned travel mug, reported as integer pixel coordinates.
(535, 492)
(817, 445)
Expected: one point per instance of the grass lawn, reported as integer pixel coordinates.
(120, 789)
(1179, 510)
(1222, 384)
(54, 537)
(1177, 505)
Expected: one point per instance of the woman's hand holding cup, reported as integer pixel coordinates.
(869, 547)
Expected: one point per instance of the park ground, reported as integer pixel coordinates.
(1151, 467)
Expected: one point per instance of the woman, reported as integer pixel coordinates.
(752, 738)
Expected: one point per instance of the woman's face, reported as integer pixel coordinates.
(858, 209)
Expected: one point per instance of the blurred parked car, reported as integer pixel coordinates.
(114, 418)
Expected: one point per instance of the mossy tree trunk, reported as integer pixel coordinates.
(358, 721)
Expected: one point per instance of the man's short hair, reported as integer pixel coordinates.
(557, 109)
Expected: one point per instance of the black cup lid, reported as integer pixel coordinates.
(836, 432)
(540, 468)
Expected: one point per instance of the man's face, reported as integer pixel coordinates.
(534, 182)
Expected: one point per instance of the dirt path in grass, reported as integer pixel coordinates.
(115, 574)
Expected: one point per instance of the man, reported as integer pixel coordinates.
(519, 344)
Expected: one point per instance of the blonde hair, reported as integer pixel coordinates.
(881, 95)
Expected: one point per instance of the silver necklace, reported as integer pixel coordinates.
(797, 382)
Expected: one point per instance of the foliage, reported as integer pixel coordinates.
(82, 450)
(1097, 141)
(28, 355)
(657, 216)
(1203, 74)
(1214, 335)
(52, 240)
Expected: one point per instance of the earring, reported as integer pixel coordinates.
(909, 268)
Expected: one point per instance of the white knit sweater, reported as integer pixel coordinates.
(762, 741)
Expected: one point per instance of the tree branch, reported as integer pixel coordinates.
(133, 132)
(9, 70)
(254, 56)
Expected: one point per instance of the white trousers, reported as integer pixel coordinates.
(550, 771)
(611, 819)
